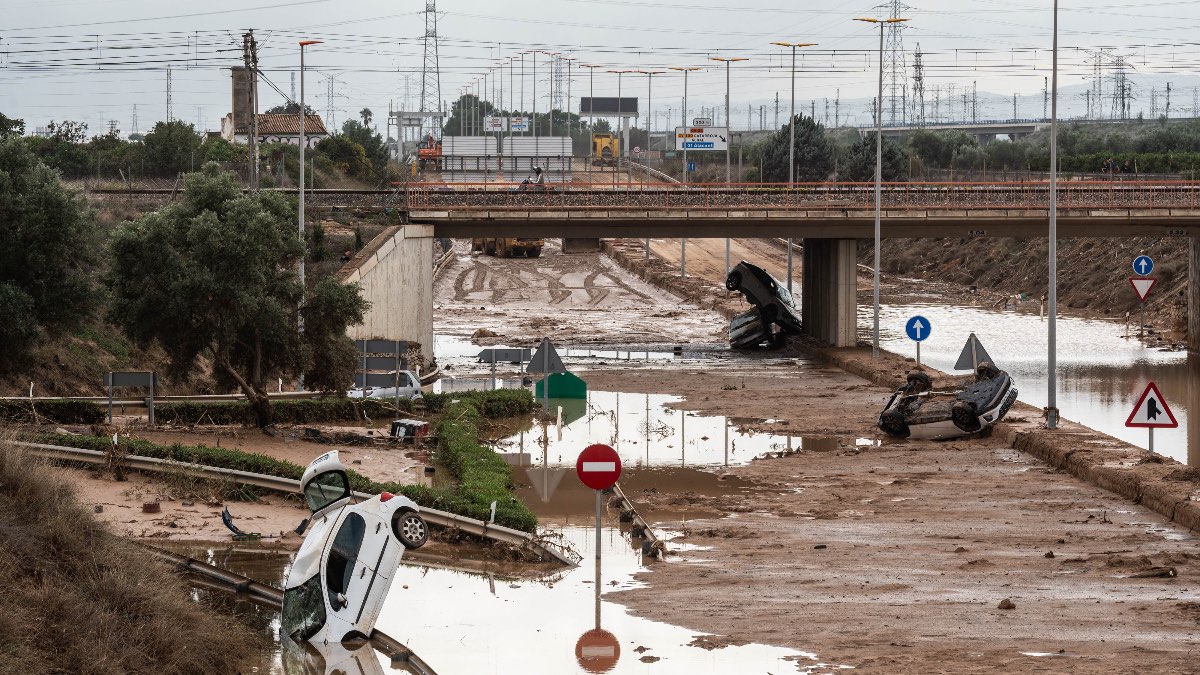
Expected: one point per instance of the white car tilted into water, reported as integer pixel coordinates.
(349, 558)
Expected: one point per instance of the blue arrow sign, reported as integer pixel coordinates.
(917, 328)
(691, 166)
(1143, 265)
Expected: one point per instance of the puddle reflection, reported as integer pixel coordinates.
(471, 623)
(645, 431)
(1100, 373)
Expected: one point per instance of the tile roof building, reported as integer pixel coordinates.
(272, 128)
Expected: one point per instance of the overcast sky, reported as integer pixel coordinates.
(94, 61)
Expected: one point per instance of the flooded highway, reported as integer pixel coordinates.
(1101, 373)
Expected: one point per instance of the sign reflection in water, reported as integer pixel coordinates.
(1101, 373)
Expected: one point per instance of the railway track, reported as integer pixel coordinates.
(220, 579)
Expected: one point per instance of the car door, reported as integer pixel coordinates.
(350, 578)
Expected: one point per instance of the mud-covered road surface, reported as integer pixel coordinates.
(891, 557)
(577, 299)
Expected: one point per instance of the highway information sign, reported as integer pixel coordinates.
(702, 138)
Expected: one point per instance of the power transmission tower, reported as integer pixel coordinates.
(559, 92)
(1014, 108)
(1167, 112)
(825, 120)
(293, 85)
(1154, 102)
(170, 104)
(134, 124)
(918, 88)
(431, 77)
(974, 104)
(837, 104)
(1122, 89)
(776, 110)
(894, 71)
(112, 128)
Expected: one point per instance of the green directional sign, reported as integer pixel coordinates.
(561, 385)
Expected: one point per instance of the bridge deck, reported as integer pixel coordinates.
(822, 210)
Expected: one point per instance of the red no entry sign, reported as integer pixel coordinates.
(598, 466)
(597, 650)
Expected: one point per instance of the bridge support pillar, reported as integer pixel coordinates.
(577, 245)
(829, 293)
(1193, 297)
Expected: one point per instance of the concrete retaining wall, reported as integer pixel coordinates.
(396, 273)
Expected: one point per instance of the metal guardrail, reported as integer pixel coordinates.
(270, 596)
(653, 173)
(432, 516)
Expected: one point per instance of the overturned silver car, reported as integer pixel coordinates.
(916, 410)
(773, 316)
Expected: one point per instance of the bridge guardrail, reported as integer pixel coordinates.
(1120, 194)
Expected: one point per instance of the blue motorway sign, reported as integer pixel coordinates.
(691, 166)
(1143, 265)
(917, 328)
(698, 145)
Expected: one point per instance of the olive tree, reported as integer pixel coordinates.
(214, 276)
(48, 242)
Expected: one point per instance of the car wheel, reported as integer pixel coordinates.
(410, 529)
(733, 281)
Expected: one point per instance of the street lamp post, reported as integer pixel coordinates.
(728, 126)
(878, 172)
(792, 142)
(649, 120)
(683, 241)
(683, 116)
(1052, 335)
(303, 239)
(591, 109)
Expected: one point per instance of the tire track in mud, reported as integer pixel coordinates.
(595, 295)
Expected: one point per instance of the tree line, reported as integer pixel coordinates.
(176, 147)
(1134, 148)
(210, 278)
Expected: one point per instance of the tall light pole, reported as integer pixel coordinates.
(792, 117)
(683, 117)
(303, 116)
(878, 172)
(591, 108)
(728, 126)
(650, 101)
(1052, 336)
(624, 150)
(684, 121)
(300, 219)
(727, 62)
(792, 143)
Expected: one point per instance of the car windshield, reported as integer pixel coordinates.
(784, 295)
(303, 610)
(326, 489)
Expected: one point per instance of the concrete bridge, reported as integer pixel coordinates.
(828, 218)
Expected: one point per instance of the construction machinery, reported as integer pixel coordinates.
(606, 148)
(508, 247)
(429, 150)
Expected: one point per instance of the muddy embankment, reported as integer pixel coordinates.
(1156, 482)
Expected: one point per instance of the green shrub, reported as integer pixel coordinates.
(483, 476)
(14, 411)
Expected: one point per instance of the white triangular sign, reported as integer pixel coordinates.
(1142, 286)
(1152, 411)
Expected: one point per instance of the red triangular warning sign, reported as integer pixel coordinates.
(1142, 286)
(1152, 411)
